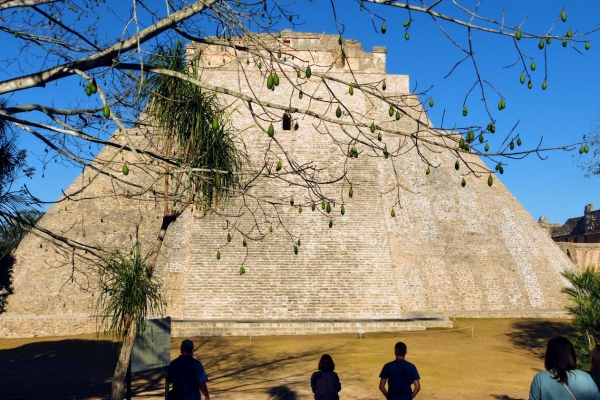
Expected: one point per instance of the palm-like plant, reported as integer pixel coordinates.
(190, 124)
(127, 291)
(584, 293)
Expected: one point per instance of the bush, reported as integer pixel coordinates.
(584, 294)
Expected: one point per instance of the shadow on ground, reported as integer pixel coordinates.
(80, 369)
(58, 369)
(282, 393)
(241, 371)
(505, 397)
(533, 335)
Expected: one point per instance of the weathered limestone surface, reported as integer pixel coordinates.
(450, 251)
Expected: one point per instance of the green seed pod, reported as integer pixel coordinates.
(463, 183)
(587, 45)
(242, 270)
(322, 204)
(533, 66)
(461, 143)
(215, 124)
(431, 102)
(548, 40)
(397, 115)
(544, 85)
(271, 228)
(275, 79)
(94, 86)
(259, 65)
(218, 255)
(383, 28)
(343, 210)
(569, 33)
(340, 40)
(338, 112)
(308, 72)
(541, 44)
(300, 210)
(512, 145)
(271, 130)
(522, 79)
(519, 141)
(328, 208)
(300, 95)
(465, 111)
(391, 111)
(379, 136)
(350, 192)
(530, 85)
(393, 213)
(563, 16)
(351, 91)
(586, 148)
(88, 90)
(406, 36)
(106, 111)
(270, 81)
(481, 138)
(125, 169)
(330, 223)
(564, 43)
(292, 202)
(487, 147)
(296, 126)
(278, 166)
(490, 180)
(427, 171)
(407, 23)
(296, 250)
(244, 243)
(518, 34)
(228, 237)
(383, 86)
(456, 165)
(372, 127)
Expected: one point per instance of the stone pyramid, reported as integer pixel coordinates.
(449, 251)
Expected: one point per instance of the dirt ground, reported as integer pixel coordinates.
(497, 363)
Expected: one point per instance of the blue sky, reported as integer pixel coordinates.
(562, 114)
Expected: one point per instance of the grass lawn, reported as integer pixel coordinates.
(497, 363)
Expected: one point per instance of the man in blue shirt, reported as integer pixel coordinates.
(399, 375)
(187, 375)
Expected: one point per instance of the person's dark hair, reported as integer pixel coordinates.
(400, 349)
(326, 363)
(595, 365)
(560, 358)
(187, 346)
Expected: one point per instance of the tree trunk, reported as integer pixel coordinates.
(120, 375)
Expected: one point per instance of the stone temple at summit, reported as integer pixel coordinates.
(450, 250)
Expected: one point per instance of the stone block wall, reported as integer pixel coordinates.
(450, 251)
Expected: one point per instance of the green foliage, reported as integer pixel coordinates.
(194, 126)
(584, 293)
(127, 291)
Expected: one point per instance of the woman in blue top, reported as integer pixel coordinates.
(562, 380)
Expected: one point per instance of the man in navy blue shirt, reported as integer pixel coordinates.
(399, 375)
(187, 375)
